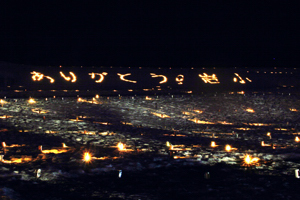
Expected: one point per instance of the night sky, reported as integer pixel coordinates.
(150, 33)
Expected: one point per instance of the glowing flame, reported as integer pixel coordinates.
(213, 144)
(212, 79)
(248, 160)
(31, 101)
(228, 148)
(87, 157)
(126, 80)
(250, 110)
(2, 101)
(165, 79)
(121, 146)
(97, 96)
(168, 144)
(297, 139)
(293, 110)
(3, 144)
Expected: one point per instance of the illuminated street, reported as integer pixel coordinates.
(237, 137)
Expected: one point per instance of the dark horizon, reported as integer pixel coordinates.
(150, 34)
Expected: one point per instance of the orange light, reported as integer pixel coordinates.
(250, 110)
(211, 79)
(165, 79)
(73, 77)
(228, 148)
(87, 157)
(101, 76)
(2, 101)
(37, 76)
(121, 146)
(31, 101)
(179, 79)
(123, 79)
(248, 160)
(242, 81)
(297, 139)
(213, 144)
(161, 115)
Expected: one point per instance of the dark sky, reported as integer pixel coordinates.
(150, 33)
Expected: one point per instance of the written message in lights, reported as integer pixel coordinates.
(99, 77)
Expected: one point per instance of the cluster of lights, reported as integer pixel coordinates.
(71, 78)
(31, 101)
(241, 80)
(165, 79)
(101, 76)
(249, 160)
(179, 79)
(126, 80)
(211, 79)
(37, 76)
(160, 115)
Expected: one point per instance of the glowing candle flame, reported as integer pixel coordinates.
(297, 139)
(248, 160)
(228, 148)
(2, 101)
(168, 144)
(87, 157)
(121, 146)
(213, 144)
(31, 101)
(3, 144)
